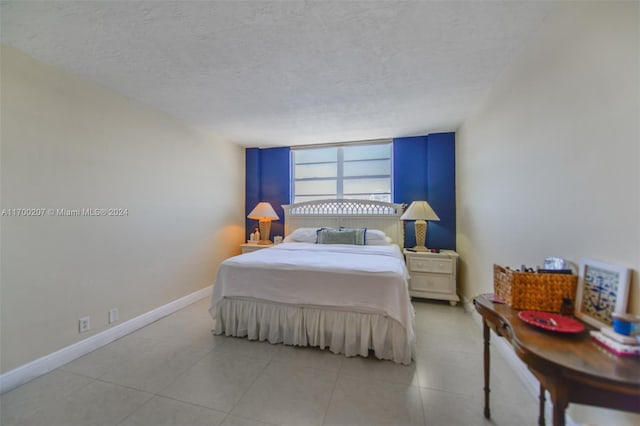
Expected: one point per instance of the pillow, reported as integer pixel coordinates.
(302, 235)
(375, 235)
(359, 231)
(387, 241)
(336, 236)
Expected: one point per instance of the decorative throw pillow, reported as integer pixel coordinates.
(361, 233)
(336, 236)
(373, 237)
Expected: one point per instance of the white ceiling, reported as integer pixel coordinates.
(271, 73)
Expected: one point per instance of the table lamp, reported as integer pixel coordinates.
(264, 214)
(420, 211)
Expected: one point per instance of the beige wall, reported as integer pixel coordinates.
(549, 165)
(69, 144)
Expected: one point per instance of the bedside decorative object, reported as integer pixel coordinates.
(264, 214)
(602, 290)
(433, 275)
(420, 211)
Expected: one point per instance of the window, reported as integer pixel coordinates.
(353, 171)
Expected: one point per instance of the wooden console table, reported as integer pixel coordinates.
(573, 368)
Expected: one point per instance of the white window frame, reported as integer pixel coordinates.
(340, 168)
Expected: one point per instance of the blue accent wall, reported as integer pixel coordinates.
(441, 192)
(424, 168)
(252, 186)
(268, 177)
(410, 176)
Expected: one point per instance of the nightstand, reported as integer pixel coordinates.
(433, 275)
(248, 248)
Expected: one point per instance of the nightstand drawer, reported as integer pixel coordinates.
(248, 248)
(431, 283)
(440, 266)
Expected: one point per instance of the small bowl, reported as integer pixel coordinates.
(626, 324)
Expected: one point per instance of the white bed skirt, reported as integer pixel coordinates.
(349, 333)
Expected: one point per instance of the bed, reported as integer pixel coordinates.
(350, 299)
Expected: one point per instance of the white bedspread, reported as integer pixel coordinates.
(365, 279)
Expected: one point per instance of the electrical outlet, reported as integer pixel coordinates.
(84, 324)
(113, 315)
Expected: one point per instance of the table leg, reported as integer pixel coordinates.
(560, 401)
(541, 414)
(558, 415)
(487, 368)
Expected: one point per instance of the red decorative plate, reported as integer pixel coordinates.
(551, 322)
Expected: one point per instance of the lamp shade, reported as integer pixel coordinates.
(263, 211)
(419, 210)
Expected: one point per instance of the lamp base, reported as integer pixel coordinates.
(421, 235)
(265, 232)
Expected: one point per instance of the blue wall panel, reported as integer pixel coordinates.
(409, 176)
(252, 186)
(424, 169)
(441, 181)
(267, 179)
(409, 169)
(275, 172)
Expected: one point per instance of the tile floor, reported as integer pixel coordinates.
(174, 372)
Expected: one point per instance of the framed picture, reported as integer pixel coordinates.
(602, 290)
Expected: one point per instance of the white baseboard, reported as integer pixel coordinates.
(519, 368)
(47, 363)
(506, 351)
(467, 304)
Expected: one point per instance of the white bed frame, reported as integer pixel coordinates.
(348, 213)
(335, 329)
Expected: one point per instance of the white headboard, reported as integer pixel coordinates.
(348, 213)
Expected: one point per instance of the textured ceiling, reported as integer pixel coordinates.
(284, 73)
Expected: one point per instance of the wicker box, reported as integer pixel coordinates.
(533, 291)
